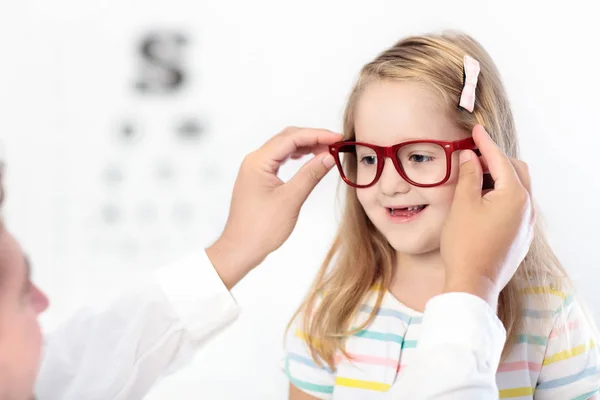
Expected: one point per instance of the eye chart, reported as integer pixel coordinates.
(143, 170)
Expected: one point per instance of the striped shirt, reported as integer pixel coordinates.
(554, 356)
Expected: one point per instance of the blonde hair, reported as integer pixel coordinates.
(360, 257)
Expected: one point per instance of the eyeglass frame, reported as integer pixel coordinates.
(391, 152)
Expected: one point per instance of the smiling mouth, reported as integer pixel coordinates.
(406, 211)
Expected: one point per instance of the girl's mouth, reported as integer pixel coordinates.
(405, 214)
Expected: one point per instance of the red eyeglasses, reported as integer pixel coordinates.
(422, 163)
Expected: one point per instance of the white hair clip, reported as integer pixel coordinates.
(470, 74)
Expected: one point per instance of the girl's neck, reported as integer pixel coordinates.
(417, 278)
(431, 261)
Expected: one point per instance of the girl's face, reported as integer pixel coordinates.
(388, 113)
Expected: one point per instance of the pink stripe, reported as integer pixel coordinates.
(571, 326)
(519, 365)
(363, 359)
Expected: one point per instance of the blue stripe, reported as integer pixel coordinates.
(538, 313)
(566, 303)
(409, 344)
(306, 385)
(587, 396)
(532, 339)
(307, 361)
(384, 337)
(528, 312)
(389, 312)
(569, 379)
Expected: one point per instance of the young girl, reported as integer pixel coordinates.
(359, 326)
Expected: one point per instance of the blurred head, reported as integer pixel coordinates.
(21, 302)
(410, 91)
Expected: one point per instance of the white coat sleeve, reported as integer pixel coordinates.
(458, 353)
(121, 351)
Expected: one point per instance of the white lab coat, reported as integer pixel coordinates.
(120, 352)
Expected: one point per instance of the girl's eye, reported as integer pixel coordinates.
(369, 160)
(419, 158)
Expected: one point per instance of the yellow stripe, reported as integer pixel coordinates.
(358, 384)
(302, 335)
(566, 354)
(516, 392)
(545, 290)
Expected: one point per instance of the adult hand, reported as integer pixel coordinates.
(487, 236)
(264, 210)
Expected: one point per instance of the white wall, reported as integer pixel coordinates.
(66, 75)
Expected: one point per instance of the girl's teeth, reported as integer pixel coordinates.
(411, 208)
